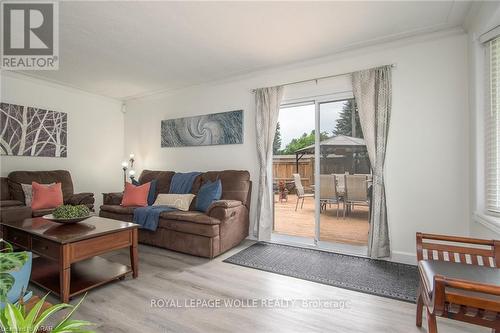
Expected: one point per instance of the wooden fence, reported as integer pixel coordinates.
(284, 166)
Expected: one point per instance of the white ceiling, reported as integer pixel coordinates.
(126, 49)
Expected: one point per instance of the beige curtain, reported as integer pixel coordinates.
(267, 105)
(372, 90)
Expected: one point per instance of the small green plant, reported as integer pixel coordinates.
(70, 212)
(9, 261)
(13, 319)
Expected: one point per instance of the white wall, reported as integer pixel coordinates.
(427, 158)
(483, 17)
(95, 134)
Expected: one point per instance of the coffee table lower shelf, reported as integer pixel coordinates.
(85, 275)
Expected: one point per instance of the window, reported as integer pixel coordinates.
(493, 126)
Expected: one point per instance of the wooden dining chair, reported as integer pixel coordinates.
(459, 279)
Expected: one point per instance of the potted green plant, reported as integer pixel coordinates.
(15, 270)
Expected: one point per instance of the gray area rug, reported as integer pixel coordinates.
(377, 277)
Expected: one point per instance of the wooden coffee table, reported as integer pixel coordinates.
(68, 261)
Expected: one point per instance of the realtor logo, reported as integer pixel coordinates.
(30, 36)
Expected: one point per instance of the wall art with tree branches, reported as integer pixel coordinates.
(31, 131)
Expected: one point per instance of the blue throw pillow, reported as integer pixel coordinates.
(208, 193)
(152, 190)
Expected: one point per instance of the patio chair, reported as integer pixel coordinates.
(356, 192)
(300, 191)
(340, 178)
(328, 192)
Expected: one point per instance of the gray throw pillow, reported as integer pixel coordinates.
(28, 193)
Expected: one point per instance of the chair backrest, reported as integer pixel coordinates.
(298, 184)
(465, 250)
(328, 188)
(16, 178)
(340, 178)
(356, 187)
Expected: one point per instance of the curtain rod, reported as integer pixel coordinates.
(322, 78)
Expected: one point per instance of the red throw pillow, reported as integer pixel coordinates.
(135, 195)
(46, 196)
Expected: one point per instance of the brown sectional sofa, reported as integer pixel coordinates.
(12, 204)
(209, 234)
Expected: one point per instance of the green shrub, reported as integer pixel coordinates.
(70, 212)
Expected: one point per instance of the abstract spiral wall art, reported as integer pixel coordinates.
(30, 131)
(223, 128)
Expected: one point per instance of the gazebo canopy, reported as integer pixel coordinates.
(334, 144)
(338, 145)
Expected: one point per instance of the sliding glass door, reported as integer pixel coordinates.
(343, 176)
(293, 172)
(319, 148)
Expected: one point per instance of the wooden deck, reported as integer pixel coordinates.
(352, 230)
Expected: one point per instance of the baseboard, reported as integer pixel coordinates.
(404, 257)
(251, 237)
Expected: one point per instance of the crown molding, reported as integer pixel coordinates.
(55, 84)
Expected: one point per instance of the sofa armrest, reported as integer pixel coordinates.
(86, 198)
(112, 198)
(223, 209)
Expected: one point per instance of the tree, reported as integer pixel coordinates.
(301, 142)
(277, 140)
(344, 123)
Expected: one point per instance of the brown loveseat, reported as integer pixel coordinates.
(209, 234)
(12, 203)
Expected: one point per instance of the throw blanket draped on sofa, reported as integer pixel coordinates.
(147, 217)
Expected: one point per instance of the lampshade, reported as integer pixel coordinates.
(132, 155)
(131, 173)
(124, 164)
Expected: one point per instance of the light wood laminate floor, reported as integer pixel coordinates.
(124, 306)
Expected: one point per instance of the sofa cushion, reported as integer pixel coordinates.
(134, 196)
(15, 213)
(4, 189)
(235, 184)
(178, 201)
(164, 178)
(208, 193)
(10, 203)
(16, 178)
(190, 216)
(117, 209)
(46, 196)
(152, 190)
(115, 216)
(207, 230)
